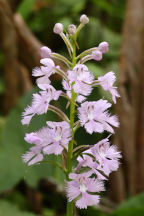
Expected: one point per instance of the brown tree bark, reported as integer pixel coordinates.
(130, 107)
(8, 40)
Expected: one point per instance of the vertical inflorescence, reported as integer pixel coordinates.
(94, 162)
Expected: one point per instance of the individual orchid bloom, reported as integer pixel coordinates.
(106, 155)
(81, 186)
(57, 137)
(87, 160)
(45, 71)
(40, 103)
(95, 117)
(106, 82)
(81, 79)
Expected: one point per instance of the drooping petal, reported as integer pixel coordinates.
(87, 200)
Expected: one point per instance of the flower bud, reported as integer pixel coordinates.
(72, 29)
(84, 19)
(103, 47)
(97, 55)
(58, 28)
(45, 52)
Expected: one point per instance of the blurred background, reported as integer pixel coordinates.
(26, 25)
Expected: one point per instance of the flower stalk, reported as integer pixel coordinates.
(70, 205)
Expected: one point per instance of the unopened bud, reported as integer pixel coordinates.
(97, 55)
(45, 52)
(84, 19)
(58, 28)
(103, 47)
(72, 29)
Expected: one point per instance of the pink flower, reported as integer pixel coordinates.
(106, 155)
(57, 137)
(87, 161)
(45, 52)
(49, 140)
(95, 117)
(44, 72)
(82, 185)
(103, 47)
(107, 82)
(40, 103)
(81, 78)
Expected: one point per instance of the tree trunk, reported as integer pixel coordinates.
(130, 107)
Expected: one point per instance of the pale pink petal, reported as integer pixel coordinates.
(36, 159)
(87, 200)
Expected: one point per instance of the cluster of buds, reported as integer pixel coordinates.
(94, 162)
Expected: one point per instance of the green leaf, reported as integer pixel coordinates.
(131, 207)
(9, 209)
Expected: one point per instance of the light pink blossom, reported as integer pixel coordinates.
(57, 137)
(87, 160)
(95, 117)
(82, 185)
(44, 72)
(107, 82)
(40, 103)
(81, 79)
(106, 155)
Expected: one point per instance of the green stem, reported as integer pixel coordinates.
(70, 147)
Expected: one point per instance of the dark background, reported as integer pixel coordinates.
(26, 25)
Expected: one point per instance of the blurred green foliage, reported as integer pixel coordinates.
(9, 209)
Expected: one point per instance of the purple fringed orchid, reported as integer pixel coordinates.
(93, 163)
(81, 186)
(95, 118)
(106, 82)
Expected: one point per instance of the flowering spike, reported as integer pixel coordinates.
(93, 163)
